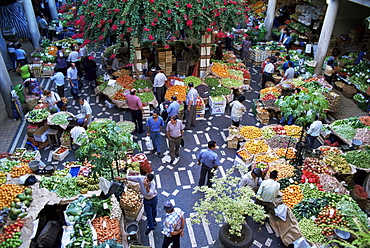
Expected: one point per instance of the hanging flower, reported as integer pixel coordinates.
(74, 36)
(153, 24)
(167, 46)
(117, 10)
(204, 8)
(189, 6)
(155, 20)
(122, 22)
(87, 41)
(169, 18)
(109, 12)
(114, 27)
(99, 26)
(102, 21)
(150, 37)
(154, 43)
(169, 11)
(101, 37)
(129, 30)
(85, 2)
(146, 29)
(92, 13)
(177, 5)
(159, 14)
(151, 1)
(189, 22)
(99, 5)
(110, 20)
(209, 30)
(112, 56)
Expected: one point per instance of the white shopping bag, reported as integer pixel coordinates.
(149, 143)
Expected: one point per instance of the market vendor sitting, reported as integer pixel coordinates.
(252, 179)
(85, 115)
(54, 100)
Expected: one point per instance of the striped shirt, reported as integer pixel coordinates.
(268, 190)
(269, 68)
(192, 96)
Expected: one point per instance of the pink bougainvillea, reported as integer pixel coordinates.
(101, 37)
(146, 29)
(117, 10)
(114, 27)
(129, 30)
(112, 56)
(169, 12)
(189, 22)
(92, 13)
(99, 5)
(150, 37)
(189, 6)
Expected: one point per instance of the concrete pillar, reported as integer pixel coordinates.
(53, 10)
(325, 35)
(32, 23)
(269, 20)
(5, 87)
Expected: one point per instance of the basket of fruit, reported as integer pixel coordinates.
(262, 165)
(60, 153)
(246, 156)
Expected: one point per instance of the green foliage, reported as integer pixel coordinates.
(362, 235)
(105, 142)
(227, 203)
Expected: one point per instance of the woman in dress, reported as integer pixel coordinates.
(90, 70)
(246, 45)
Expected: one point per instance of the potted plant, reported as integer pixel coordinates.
(229, 204)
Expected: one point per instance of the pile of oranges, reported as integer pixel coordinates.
(8, 193)
(292, 195)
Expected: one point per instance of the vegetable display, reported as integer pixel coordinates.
(220, 70)
(131, 198)
(203, 90)
(365, 120)
(20, 170)
(231, 83)
(256, 146)
(126, 126)
(328, 219)
(60, 119)
(212, 82)
(107, 228)
(338, 163)
(142, 84)
(311, 231)
(37, 115)
(292, 195)
(146, 96)
(178, 91)
(10, 237)
(125, 81)
(220, 91)
(358, 158)
(235, 74)
(345, 131)
(309, 207)
(191, 79)
(284, 169)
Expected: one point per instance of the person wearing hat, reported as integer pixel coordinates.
(268, 191)
(136, 108)
(174, 131)
(173, 225)
(147, 189)
(252, 179)
(209, 161)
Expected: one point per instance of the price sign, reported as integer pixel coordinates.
(336, 190)
(104, 224)
(291, 180)
(331, 212)
(105, 205)
(311, 185)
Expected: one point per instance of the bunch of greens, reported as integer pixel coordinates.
(60, 119)
(191, 79)
(142, 84)
(212, 82)
(146, 96)
(359, 158)
(37, 115)
(220, 91)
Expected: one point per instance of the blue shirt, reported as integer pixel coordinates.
(285, 65)
(155, 126)
(58, 78)
(208, 157)
(20, 53)
(173, 109)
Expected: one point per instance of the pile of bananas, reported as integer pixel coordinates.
(88, 183)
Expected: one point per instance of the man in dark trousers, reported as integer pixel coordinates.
(136, 107)
(173, 225)
(209, 161)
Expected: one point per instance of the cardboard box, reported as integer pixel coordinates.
(215, 111)
(60, 156)
(134, 215)
(232, 144)
(41, 134)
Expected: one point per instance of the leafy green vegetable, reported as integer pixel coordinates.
(358, 158)
(350, 209)
(345, 131)
(212, 82)
(37, 115)
(60, 119)
(220, 91)
(142, 84)
(230, 82)
(191, 79)
(146, 96)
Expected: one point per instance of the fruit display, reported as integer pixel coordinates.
(331, 184)
(29, 156)
(267, 132)
(330, 218)
(146, 96)
(292, 195)
(20, 170)
(274, 91)
(310, 177)
(244, 154)
(309, 207)
(203, 90)
(7, 165)
(268, 158)
(365, 120)
(284, 169)
(19, 152)
(293, 131)
(315, 165)
(18, 208)
(220, 70)
(279, 130)
(61, 150)
(10, 237)
(191, 79)
(311, 231)
(250, 132)
(287, 153)
(256, 146)
(2, 177)
(281, 141)
(235, 74)
(8, 193)
(178, 91)
(338, 163)
(119, 95)
(131, 198)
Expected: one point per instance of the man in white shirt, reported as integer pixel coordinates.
(74, 57)
(72, 75)
(289, 73)
(252, 179)
(268, 71)
(158, 85)
(75, 133)
(58, 79)
(85, 116)
(314, 131)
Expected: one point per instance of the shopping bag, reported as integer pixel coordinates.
(149, 143)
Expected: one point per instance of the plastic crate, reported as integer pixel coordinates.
(60, 156)
(73, 171)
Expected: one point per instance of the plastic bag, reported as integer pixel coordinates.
(149, 143)
(281, 211)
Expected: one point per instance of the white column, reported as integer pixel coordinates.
(32, 23)
(269, 20)
(5, 87)
(325, 35)
(53, 10)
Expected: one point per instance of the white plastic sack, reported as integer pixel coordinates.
(149, 143)
(301, 243)
(281, 211)
(66, 238)
(104, 184)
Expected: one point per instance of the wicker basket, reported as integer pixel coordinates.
(348, 95)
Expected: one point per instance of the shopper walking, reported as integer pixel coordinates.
(158, 85)
(58, 78)
(191, 102)
(73, 80)
(20, 54)
(43, 26)
(252, 179)
(268, 191)
(75, 133)
(289, 73)
(173, 225)
(149, 192)
(237, 111)
(268, 70)
(175, 132)
(74, 57)
(314, 131)
(208, 158)
(154, 125)
(23, 69)
(85, 112)
(246, 45)
(61, 60)
(136, 108)
(90, 69)
(173, 107)
(10, 46)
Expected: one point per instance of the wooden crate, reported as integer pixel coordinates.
(264, 119)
